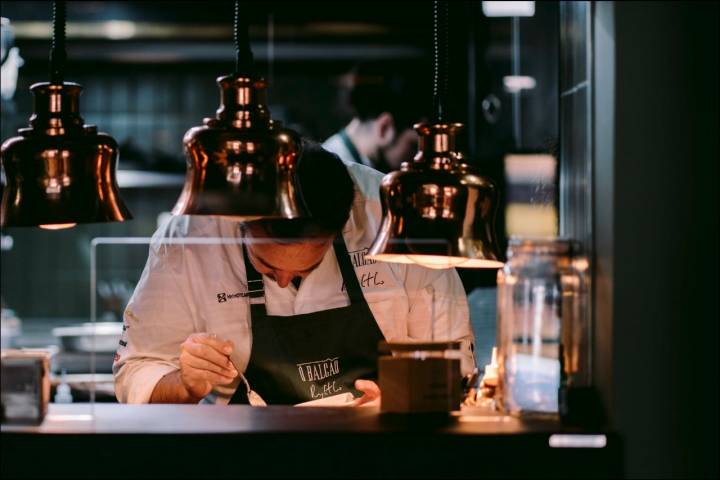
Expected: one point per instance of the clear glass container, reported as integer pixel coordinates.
(543, 325)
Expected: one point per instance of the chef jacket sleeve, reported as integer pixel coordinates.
(158, 318)
(439, 293)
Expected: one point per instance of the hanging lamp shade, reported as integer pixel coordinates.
(437, 210)
(241, 164)
(59, 171)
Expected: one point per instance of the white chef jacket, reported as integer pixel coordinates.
(336, 145)
(188, 287)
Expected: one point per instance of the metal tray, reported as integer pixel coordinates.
(89, 337)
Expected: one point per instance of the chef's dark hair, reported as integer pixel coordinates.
(327, 190)
(375, 91)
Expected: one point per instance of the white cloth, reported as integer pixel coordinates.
(336, 145)
(190, 287)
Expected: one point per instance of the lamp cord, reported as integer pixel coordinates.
(58, 55)
(243, 53)
(440, 56)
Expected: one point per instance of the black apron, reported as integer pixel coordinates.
(350, 147)
(314, 355)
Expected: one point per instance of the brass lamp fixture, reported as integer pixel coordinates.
(241, 164)
(60, 171)
(437, 210)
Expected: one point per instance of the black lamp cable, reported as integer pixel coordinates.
(243, 53)
(440, 56)
(58, 55)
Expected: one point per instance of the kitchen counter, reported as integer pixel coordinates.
(206, 441)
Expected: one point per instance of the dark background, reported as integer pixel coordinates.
(656, 230)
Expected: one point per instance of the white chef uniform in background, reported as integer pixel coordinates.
(339, 147)
(189, 288)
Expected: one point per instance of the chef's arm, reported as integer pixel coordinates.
(158, 319)
(170, 389)
(204, 363)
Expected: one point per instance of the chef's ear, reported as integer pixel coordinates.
(385, 129)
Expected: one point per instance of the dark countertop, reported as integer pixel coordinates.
(208, 441)
(237, 419)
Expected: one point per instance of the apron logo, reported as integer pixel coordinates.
(367, 280)
(317, 374)
(320, 370)
(359, 259)
(370, 280)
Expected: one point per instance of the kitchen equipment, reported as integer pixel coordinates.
(438, 211)
(60, 171)
(241, 163)
(543, 325)
(25, 386)
(420, 377)
(82, 362)
(114, 296)
(99, 337)
(84, 387)
(10, 327)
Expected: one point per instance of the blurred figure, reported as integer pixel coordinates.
(10, 60)
(380, 134)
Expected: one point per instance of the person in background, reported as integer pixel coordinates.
(281, 311)
(10, 61)
(380, 134)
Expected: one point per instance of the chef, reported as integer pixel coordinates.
(280, 311)
(380, 133)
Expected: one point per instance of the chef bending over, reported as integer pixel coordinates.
(280, 311)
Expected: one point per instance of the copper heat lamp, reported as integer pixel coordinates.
(241, 164)
(437, 210)
(60, 171)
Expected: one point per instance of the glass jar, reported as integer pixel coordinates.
(543, 325)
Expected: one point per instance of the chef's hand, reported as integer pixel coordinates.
(205, 362)
(371, 394)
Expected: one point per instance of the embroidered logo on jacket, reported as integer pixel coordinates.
(224, 297)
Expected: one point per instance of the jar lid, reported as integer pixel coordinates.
(547, 245)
